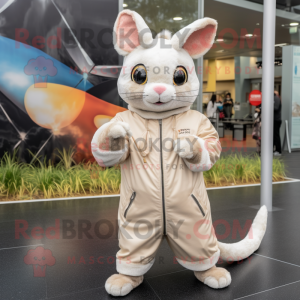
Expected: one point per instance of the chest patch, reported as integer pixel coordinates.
(184, 131)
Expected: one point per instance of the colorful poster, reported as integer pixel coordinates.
(53, 93)
(295, 143)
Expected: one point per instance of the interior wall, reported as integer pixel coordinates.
(224, 69)
(225, 76)
(234, 74)
(224, 86)
(242, 84)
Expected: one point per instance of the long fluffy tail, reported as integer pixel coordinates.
(250, 243)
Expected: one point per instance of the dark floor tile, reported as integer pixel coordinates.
(280, 240)
(93, 208)
(144, 291)
(165, 262)
(21, 284)
(90, 211)
(13, 259)
(250, 276)
(80, 265)
(289, 291)
(82, 280)
(10, 238)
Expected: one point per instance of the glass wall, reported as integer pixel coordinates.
(234, 64)
(235, 61)
(165, 14)
(238, 48)
(233, 58)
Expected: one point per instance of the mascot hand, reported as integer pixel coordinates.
(113, 137)
(187, 147)
(119, 130)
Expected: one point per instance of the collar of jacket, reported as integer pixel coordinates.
(158, 115)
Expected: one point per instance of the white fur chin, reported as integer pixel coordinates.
(158, 115)
(249, 244)
(117, 290)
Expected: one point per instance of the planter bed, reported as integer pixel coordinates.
(43, 180)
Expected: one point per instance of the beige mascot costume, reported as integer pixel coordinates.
(163, 149)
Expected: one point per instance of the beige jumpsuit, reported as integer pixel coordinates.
(164, 196)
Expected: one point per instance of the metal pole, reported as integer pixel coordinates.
(121, 102)
(267, 103)
(287, 134)
(200, 62)
(217, 121)
(121, 2)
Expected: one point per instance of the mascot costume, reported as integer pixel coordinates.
(163, 148)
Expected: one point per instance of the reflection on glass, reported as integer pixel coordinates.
(165, 14)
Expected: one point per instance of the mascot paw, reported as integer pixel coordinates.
(119, 130)
(183, 148)
(121, 285)
(216, 278)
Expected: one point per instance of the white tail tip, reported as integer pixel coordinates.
(247, 246)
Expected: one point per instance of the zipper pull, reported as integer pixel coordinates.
(132, 196)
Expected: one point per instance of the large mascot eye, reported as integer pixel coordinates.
(180, 76)
(139, 74)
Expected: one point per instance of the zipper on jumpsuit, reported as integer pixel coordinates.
(131, 200)
(199, 205)
(162, 179)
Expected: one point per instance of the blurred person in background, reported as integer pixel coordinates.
(227, 109)
(256, 134)
(212, 107)
(228, 104)
(220, 99)
(277, 94)
(220, 107)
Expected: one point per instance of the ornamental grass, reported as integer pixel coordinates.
(44, 179)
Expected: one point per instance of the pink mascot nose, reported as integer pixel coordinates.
(159, 89)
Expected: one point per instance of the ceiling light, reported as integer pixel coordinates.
(257, 23)
(177, 19)
(294, 24)
(220, 51)
(220, 40)
(281, 45)
(125, 5)
(249, 35)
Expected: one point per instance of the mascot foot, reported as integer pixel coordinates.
(121, 285)
(216, 278)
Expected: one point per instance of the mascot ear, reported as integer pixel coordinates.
(196, 38)
(131, 31)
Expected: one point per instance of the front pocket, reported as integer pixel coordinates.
(198, 204)
(131, 201)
